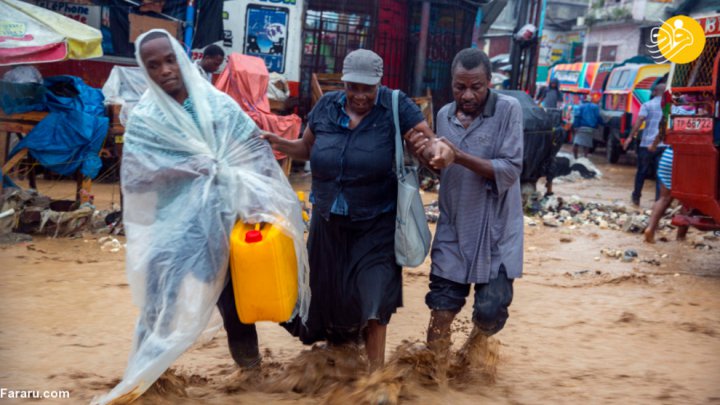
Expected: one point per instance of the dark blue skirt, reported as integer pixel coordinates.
(353, 278)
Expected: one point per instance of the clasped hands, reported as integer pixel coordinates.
(438, 153)
(627, 141)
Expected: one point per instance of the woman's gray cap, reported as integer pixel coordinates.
(362, 66)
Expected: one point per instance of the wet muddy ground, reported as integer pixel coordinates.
(583, 327)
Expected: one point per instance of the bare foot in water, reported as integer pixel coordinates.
(649, 236)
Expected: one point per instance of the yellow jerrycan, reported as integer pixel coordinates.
(264, 273)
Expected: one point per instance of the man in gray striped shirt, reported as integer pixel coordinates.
(479, 236)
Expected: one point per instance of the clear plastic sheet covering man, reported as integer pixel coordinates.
(125, 86)
(185, 186)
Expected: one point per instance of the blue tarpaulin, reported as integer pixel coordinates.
(72, 134)
(18, 98)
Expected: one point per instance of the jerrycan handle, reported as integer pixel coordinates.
(254, 236)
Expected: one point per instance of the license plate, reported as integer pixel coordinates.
(119, 138)
(691, 124)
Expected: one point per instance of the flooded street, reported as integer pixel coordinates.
(583, 327)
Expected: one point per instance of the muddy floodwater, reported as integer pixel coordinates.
(583, 327)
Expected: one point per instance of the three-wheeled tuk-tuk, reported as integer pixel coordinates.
(695, 139)
(578, 80)
(628, 87)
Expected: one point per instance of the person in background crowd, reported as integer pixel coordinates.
(650, 114)
(213, 57)
(550, 97)
(664, 177)
(586, 119)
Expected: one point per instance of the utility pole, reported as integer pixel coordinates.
(536, 57)
(525, 52)
(189, 25)
(420, 61)
(487, 12)
(476, 28)
(516, 51)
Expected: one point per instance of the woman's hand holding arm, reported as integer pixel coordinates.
(298, 149)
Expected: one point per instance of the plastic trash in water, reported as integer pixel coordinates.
(110, 244)
(7, 213)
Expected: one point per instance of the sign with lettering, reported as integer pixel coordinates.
(89, 15)
(692, 124)
(12, 29)
(568, 76)
(266, 30)
(269, 29)
(711, 25)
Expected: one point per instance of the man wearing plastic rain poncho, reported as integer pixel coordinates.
(193, 165)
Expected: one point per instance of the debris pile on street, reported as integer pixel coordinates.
(26, 212)
(432, 212)
(568, 169)
(555, 211)
(627, 256)
(701, 241)
(429, 181)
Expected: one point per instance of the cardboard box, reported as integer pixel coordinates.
(142, 23)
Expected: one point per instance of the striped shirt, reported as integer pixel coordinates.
(480, 226)
(664, 172)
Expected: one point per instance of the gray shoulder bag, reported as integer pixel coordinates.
(412, 234)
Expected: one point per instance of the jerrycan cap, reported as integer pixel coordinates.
(254, 236)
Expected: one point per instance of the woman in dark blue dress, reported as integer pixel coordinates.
(349, 139)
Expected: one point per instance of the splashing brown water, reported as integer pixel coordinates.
(314, 372)
(320, 369)
(381, 387)
(85, 321)
(413, 365)
(170, 385)
(339, 374)
(479, 353)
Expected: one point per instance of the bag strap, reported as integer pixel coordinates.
(399, 159)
